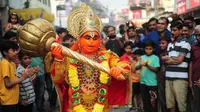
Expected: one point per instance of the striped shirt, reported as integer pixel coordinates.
(26, 87)
(180, 48)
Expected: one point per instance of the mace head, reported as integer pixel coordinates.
(36, 37)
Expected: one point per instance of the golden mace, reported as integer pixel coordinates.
(36, 38)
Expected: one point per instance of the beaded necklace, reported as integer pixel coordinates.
(89, 80)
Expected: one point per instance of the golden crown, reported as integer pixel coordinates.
(81, 20)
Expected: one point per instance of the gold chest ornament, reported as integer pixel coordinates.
(89, 86)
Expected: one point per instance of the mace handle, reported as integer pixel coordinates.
(72, 54)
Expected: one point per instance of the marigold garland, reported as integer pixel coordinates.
(79, 108)
(75, 82)
(98, 108)
(73, 76)
(104, 77)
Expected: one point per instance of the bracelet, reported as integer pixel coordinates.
(59, 59)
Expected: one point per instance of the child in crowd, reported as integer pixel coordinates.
(135, 76)
(12, 20)
(128, 55)
(9, 88)
(163, 43)
(27, 94)
(61, 32)
(10, 35)
(148, 66)
(68, 40)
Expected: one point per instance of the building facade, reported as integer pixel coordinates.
(187, 7)
(3, 15)
(59, 11)
(23, 6)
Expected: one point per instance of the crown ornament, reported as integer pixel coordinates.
(81, 20)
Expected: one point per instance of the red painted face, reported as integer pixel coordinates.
(90, 42)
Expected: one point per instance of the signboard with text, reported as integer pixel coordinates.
(137, 14)
(194, 3)
(125, 11)
(181, 6)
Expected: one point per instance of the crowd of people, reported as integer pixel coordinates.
(23, 79)
(164, 58)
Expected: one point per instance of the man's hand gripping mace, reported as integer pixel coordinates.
(37, 37)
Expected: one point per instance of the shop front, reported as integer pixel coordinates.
(188, 7)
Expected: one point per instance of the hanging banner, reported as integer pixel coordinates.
(194, 3)
(125, 11)
(181, 6)
(137, 14)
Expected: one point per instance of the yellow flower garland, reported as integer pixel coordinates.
(98, 108)
(79, 108)
(73, 76)
(104, 77)
(74, 81)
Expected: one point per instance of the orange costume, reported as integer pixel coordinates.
(135, 75)
(83, 88)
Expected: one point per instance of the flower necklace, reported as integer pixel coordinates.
(77, 73)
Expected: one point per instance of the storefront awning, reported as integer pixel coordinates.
(33, 13)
